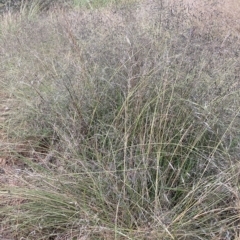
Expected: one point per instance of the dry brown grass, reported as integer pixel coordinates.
(102, 98)
(224, 14)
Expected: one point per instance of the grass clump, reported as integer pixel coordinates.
(127, 126)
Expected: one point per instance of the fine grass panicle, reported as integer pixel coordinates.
(125, 124)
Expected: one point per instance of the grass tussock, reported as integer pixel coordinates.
(125, 121)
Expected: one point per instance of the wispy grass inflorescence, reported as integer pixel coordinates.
(125, 123)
